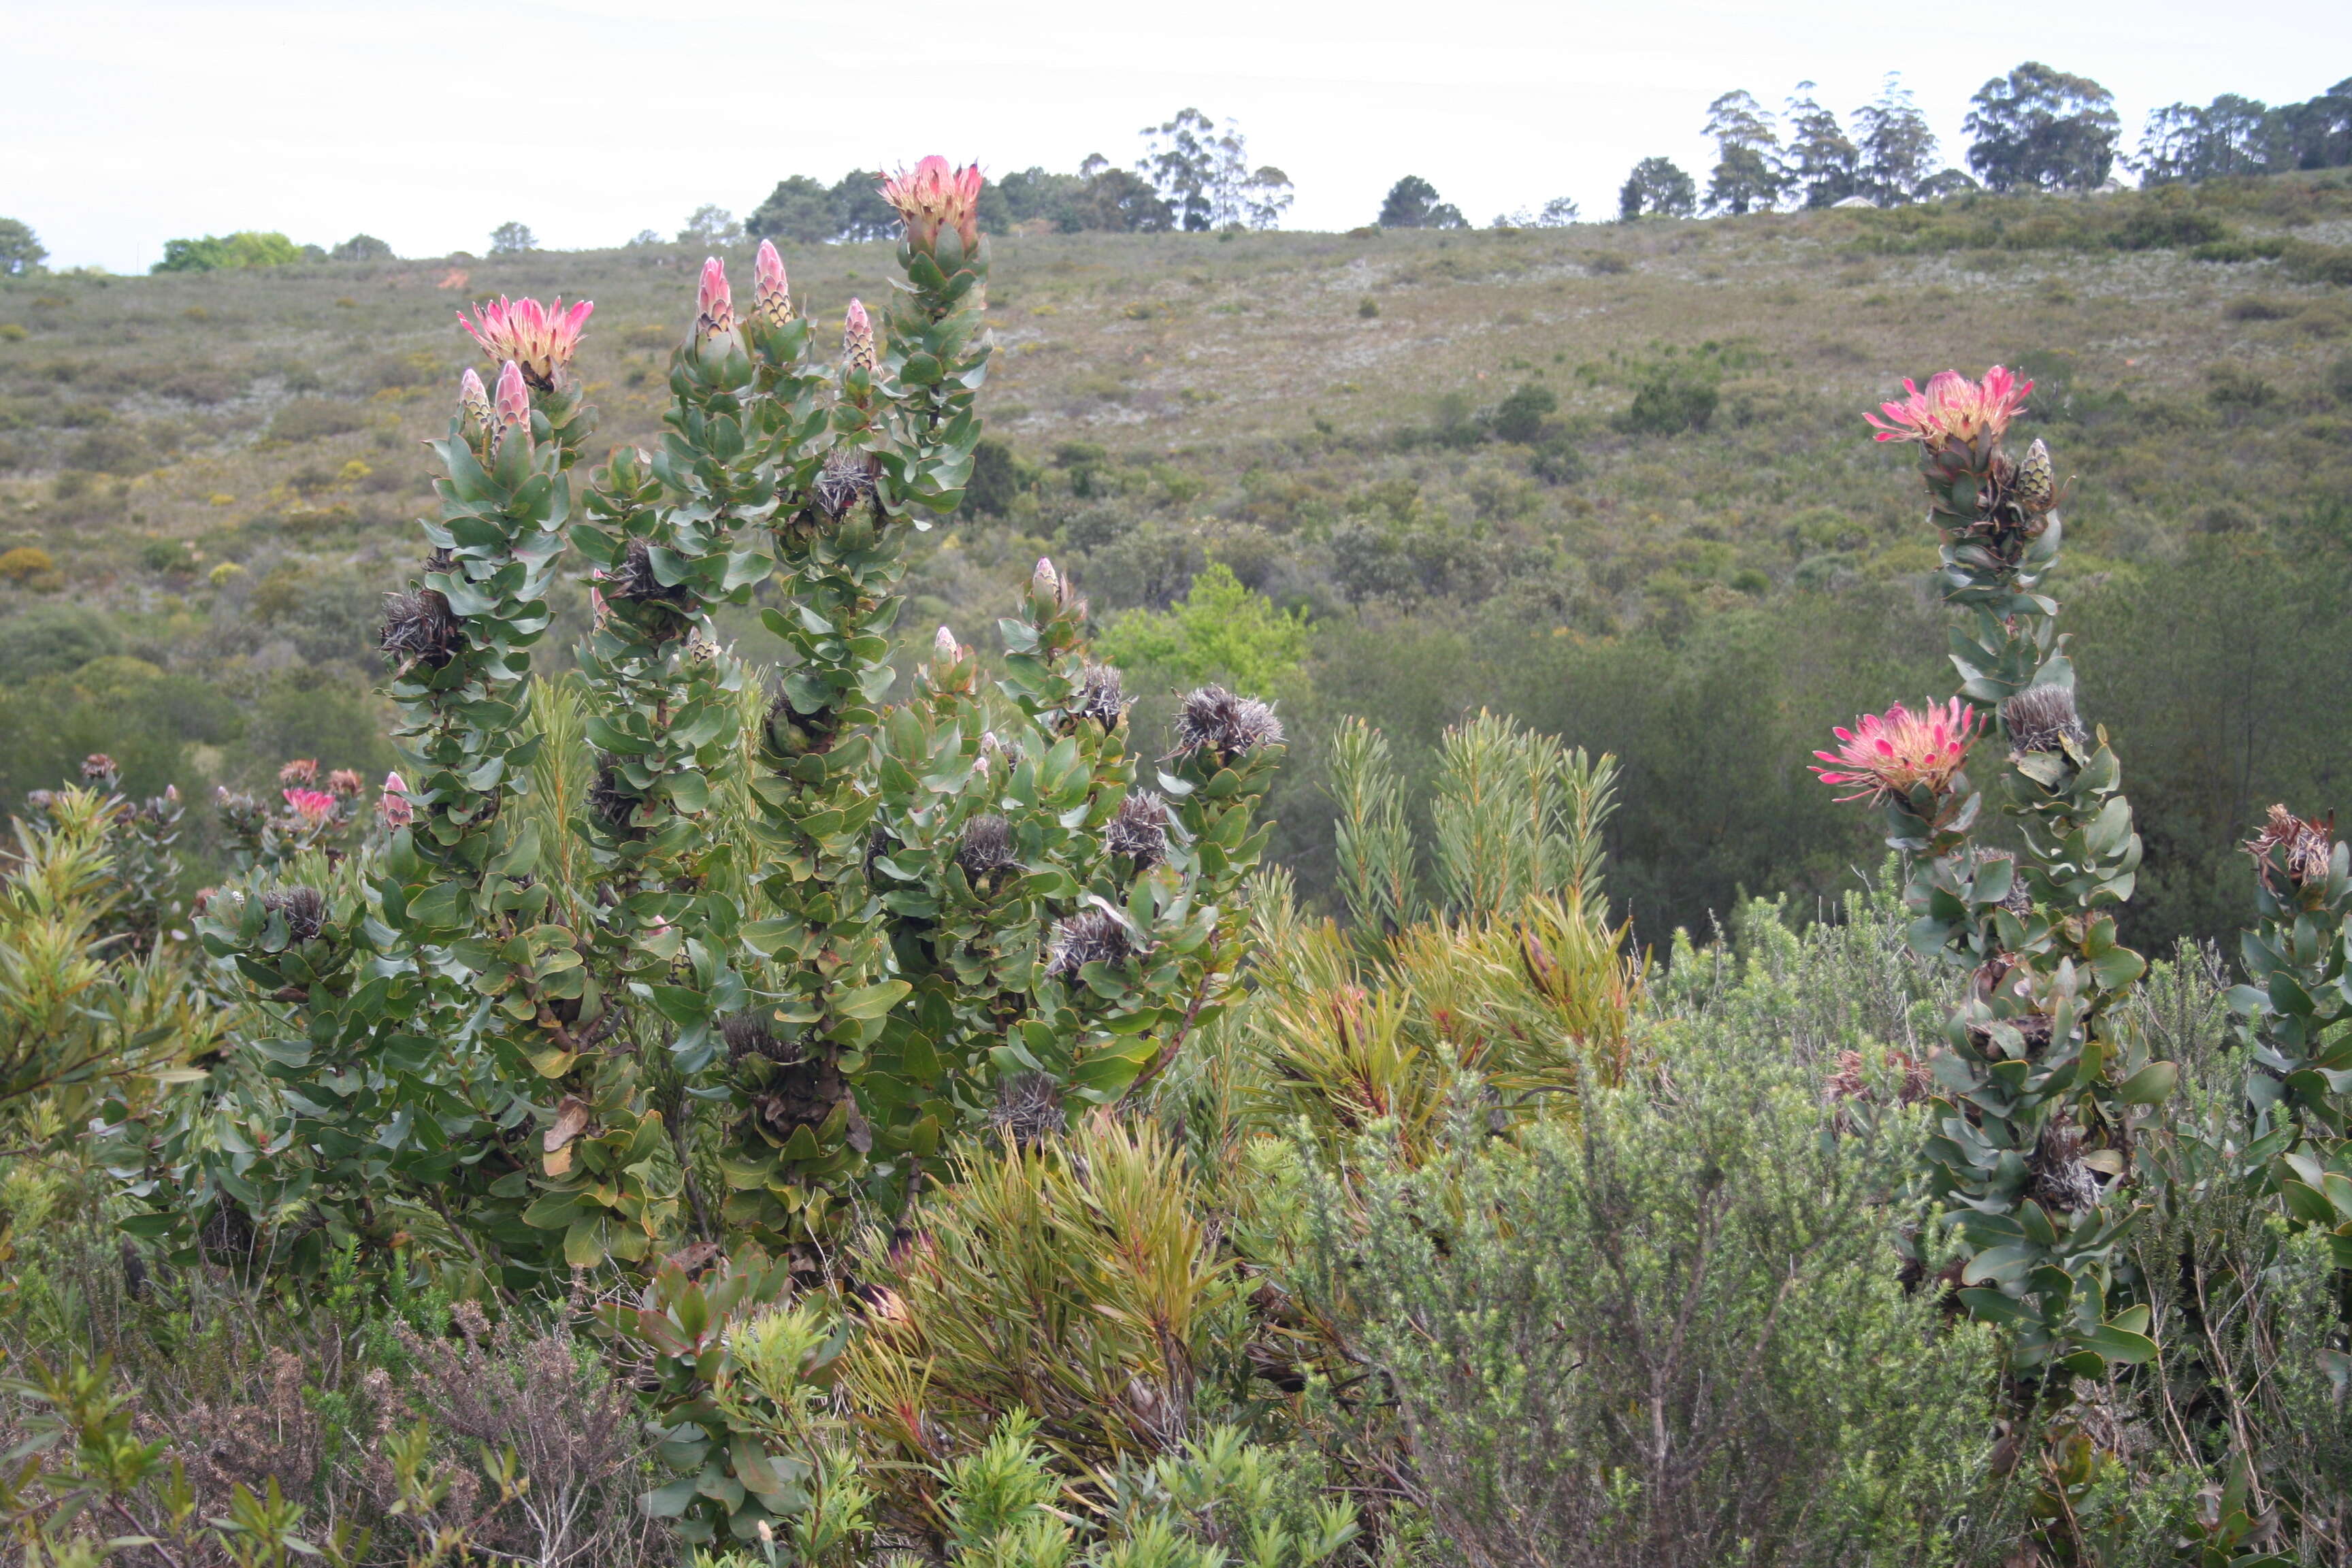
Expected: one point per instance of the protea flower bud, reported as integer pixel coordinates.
(393, 806)
(935, 195)
(473, 400)
(772, 299)
(2036, 485)
(857, 338)
(1044, 581)
(512, 404)
(714, 302)
(541, 339)
(991, 751)
(2040, 717)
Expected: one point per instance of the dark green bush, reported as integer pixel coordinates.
(1673, 397)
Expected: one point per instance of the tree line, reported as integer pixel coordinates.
(2036, 129)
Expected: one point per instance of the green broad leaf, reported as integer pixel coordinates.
(2117, 968)
(871, 1001)
(679, 1005)
(2112, 1343)
(1992, 1307)
(689, 791)
(441, 906)
(2152, 1085)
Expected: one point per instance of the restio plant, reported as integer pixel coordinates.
(686, 950)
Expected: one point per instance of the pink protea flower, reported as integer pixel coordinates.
(392, 807)
(714, 302)
(1887, 753)
(772, 296)
(857, 338)
(513, 399)
(933, 195)
(473, 399)
(313, 806)
(1953, 408)
(541, 339)
(300, 771)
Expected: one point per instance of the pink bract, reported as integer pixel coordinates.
(934, 194)
(1887, 753)
(768, 273)
(541, 339)
(310, 805)
(513, 397)
(714, 302)
(1953, 408)
(473, 398)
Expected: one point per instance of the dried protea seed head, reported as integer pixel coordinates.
(303, 909)
(2060, 1181)
(301, 771)
(1090, 936)
(2035, 487)
(1140, 829)
(2307, 848)
(714, 302)
(634, 578)
(1101, 696)
(1214, 720)
(344, 782)
(418, 628)
(611, 800)
(100, 768)
(1028, 1109)
(847, 479)
(771, 297)
(986, 846)
(857, 338)
(748, 1035)
(2040, 718)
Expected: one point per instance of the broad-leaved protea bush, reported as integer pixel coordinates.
(2040, 1098)
(709, 947)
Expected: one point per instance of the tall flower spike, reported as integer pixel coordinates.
(936, 194)
(541, 339)
(772, 296)
(513, 400)
(1953, 408)
(714, 303)
(1886, 754)
(473, 400)
(856, 338)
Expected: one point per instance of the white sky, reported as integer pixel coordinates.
(125, 122)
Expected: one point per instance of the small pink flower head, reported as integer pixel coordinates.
(771, 295)
(301, 771)
(714, 302)
(541, 339)
(344, 782)
(513, 399)
(313, 806)
(1953, 408)
(1885, 754)
(935, 195)
(473, 400)
(392, 807)
(857, 338)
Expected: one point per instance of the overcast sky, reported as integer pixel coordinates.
(126, 122)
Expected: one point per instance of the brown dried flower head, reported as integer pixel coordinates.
(1214, 720)
(304, 910)
(2307, 846)
(1090, 936)
(1140, 829)
(2041, 718)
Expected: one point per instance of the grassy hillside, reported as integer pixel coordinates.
(1613, 478)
